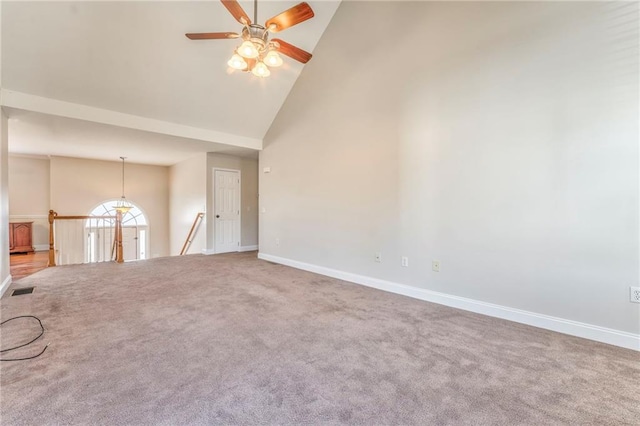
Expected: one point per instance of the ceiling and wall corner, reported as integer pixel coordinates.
(129, 65)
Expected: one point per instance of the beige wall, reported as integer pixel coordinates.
(249, 196)
(507, 150)
(79, 185)
(29, 195)
(28, 185)
(188, 197)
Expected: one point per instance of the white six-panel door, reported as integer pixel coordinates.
(226, 198)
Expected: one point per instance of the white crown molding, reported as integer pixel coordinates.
(24, 101)
(561, 325)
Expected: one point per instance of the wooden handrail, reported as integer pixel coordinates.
(56, 217)
(53, 216)
(191, 234)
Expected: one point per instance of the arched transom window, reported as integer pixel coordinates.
(101, 233)
(133, 217)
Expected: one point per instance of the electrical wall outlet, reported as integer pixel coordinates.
(435, 265)
(634, 294)
(405, 261)
(378, 257)
(277, 241)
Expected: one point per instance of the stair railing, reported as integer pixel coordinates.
(192, 233)
(109, 223)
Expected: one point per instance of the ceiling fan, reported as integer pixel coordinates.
(258, 52)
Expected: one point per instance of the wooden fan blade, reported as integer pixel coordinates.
(211, 36)
(292, 51)
(237, 11)
(290, 17)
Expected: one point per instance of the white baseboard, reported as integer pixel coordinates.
(5, 285)
(561, 325)
(240, 249)
(41, 247)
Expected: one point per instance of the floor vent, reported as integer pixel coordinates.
(21, 291)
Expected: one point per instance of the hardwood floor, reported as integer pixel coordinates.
(23, 265)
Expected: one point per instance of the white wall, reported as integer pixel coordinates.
(29, 197)
(79, 185)
(507, 149)
(249, 196)
(5, 271)
(187, 197)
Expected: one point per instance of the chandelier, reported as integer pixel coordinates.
(123, 206)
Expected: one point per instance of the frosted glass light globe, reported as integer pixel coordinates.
(237, 62)
(248, 50)
(261, 70)
(273, 59)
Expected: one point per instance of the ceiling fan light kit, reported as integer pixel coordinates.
(257, 53)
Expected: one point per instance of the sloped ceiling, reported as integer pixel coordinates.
(133, 58)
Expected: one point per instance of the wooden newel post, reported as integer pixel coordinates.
(119, 256)
(52, 250)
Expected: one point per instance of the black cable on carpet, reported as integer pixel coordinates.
(25, 344)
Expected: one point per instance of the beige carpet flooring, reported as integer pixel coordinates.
(231, 339)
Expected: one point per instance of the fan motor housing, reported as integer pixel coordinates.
(257, 34)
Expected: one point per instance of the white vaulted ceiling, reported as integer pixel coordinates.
(133, 58)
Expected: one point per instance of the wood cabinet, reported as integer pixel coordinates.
(20, 237)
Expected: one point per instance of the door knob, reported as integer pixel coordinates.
(217, 215)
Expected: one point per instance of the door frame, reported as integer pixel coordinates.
(213, 205)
